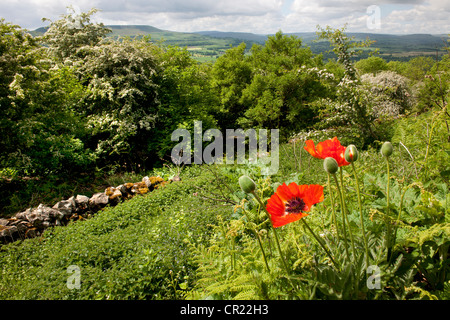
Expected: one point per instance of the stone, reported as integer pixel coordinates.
(31, 233)
(65, 206)
(34, 218)
(49, 214)
(139, 188)
(31, 222)
(23, 215)
(113, 193)
(81, 203)
(123, 189)
(81, 200)
(129, 185)
(9, 232)
(22, 226)
(98, 201)
(147, 181)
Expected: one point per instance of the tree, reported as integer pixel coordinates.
(353, 104)
(371, 65)
(40, 132)
(67, 36)
(122, 99)
(343, 47)
(278, 92)
(18, 69)
(231, 74)
(270, 87)
(185, 95)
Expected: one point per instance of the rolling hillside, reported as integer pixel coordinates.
(208, 45)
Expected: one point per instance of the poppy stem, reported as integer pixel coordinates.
(343, 216)
(334, 209)
(259, 240)
(320, 242)
(388, 224)
(366, 247)
(394, 239)
(274, 232)
(345, 210)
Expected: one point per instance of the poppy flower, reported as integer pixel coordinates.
(291, 202)
(328, 148)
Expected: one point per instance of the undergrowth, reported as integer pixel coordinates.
(204, 238)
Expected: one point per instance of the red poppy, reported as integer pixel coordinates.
(291, 202)
(328, 148)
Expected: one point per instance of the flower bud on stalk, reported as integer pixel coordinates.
(387, 149)
(351, 153)
(330, 165)
(247, 185)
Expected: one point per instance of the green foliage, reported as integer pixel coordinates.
(271, 87)
(125, 252)
(75, 100)
(121, 96)
(42, 132)
(67, 37)
(185, 96)
(351, 107)
(391, 93)
(371, 65)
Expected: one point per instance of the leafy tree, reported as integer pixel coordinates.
(121, 101)
(353, 105)
(343, 47)
(231, 74)
(17, 65)
(185, 95)
(391, 93)
(42, 134)
(273, 86)
(67, 36)
(371, 65)
(418, 67)
(284, 82)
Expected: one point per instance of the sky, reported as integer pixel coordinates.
(255, 16)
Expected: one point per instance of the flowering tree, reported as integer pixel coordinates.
(353, 103)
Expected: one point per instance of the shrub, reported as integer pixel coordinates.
(391, 93)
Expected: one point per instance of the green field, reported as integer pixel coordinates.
(208, 45)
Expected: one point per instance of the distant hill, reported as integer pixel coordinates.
(208, 45)
(258, 38)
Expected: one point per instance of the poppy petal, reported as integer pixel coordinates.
(310, 147)
(279, 205)
(328, 148)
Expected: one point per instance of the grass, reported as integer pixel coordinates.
(175, 242)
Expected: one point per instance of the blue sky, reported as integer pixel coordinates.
(256, 16)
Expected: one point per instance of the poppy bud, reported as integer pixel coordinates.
(351, 153)
(330, 165)
(247, 184)
(386, 149)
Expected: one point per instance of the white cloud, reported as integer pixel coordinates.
(257, 16)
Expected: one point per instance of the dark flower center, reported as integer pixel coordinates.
(295, 205)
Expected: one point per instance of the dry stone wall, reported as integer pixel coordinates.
(33, 221)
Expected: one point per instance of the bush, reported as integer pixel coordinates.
(391, 93)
